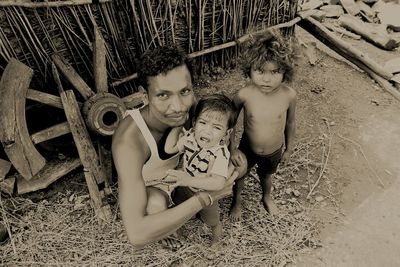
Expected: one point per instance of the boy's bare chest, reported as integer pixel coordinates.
(265, 107)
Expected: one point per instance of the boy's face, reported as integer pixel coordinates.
(268, 78)
(210, 128)
(171, 96)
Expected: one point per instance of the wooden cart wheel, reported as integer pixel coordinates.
(100, 113)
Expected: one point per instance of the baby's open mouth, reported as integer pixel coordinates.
(204, 139)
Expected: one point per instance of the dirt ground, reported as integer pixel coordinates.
(346, 123)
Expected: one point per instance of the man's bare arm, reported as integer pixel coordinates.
(129, 157)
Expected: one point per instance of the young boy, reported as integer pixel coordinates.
(206, 156)
(269, 114)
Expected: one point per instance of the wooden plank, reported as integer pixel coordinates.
(72, 76)
(99, 62)
(7, 185)
(369, 31)
(14, 134)
(105, 160)
(342, 31)
(5, 167)
(350, 6)
(49, 174)
(50, 133)
(92, 169)
(339, 45)
(30, 4)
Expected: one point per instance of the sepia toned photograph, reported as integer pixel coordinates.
(185, 133)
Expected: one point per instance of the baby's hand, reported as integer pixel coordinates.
(285, 158)
(175, 177)
(237, 158)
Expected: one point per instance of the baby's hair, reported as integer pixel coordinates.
(270, 46)
(160, 60)
(219, 103)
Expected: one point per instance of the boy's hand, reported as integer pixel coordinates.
(175, 177)
(237, 158)
(285, 157)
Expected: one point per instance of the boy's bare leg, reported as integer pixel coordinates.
(268, 202)
(158, 201)
(235, 212)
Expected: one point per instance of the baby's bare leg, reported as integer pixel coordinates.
(235, 212)
(211, 217)
(266, 185)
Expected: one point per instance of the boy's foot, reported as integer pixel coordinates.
(270, 206)
(236, 212)
(172, 242)
(216, 233)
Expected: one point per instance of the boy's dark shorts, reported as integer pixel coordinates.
(267, 164)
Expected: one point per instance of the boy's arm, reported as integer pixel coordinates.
(171, 144)
(236, 157)
(290, 125)
(238, 100)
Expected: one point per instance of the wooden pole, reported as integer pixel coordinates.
(342, 47)
(350, 53)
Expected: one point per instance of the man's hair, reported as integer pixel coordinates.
(219, 103)
(270, 46)
(160, 60)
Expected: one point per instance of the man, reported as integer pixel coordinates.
(139, 156)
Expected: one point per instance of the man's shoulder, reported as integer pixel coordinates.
(127, 134)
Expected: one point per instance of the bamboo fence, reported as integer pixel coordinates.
(33, 31)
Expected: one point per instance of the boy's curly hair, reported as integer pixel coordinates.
(269, 46)
(160, 60)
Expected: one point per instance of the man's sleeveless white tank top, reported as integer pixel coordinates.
(155, 168)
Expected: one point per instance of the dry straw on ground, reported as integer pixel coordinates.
(58, 227)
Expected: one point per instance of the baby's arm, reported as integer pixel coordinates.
(173, 139)
(212, 182)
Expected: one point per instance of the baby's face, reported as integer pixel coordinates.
(210, 128)
(268, 78)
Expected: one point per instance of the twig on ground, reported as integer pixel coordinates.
(365, 157)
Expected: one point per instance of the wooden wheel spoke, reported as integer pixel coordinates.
(72, 76)
(45, 98)
(14, 134)
(99, 62)
(50, 133)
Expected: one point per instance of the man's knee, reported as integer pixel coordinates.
(210, 215)
(156, 200)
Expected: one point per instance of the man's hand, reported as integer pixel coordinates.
(227, 190)
(237, 157)
(285, 157)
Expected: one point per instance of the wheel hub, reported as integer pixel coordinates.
(103, 112)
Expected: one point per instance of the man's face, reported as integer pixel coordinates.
(171, 96)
